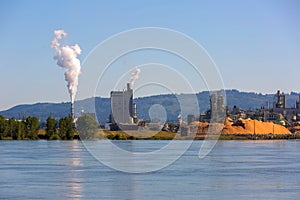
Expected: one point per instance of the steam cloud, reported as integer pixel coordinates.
(134, 75)
(66, 57)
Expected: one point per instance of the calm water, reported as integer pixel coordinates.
(233, 170)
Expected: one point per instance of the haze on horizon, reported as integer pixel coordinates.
(255, 44)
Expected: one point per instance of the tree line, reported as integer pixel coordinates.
(28, 128)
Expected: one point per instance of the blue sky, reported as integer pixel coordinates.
(255, 44)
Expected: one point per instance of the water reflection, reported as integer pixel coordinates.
(75, 188)
(123, 183)
(74, 182)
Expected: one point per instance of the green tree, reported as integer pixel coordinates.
(10, 128)
(19, 133)
(118, 136)
(87, 127)
(66, 128)
(3, 124)
(62, 128)
(32, 126)
(51, 128)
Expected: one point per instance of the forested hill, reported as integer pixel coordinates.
(171, 103)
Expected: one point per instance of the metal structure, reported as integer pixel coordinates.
(280, 100)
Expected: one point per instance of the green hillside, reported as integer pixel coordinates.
(170, 102)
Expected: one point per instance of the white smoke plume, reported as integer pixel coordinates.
(66, 57)
(134, 75)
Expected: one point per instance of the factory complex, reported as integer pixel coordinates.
(272, 119)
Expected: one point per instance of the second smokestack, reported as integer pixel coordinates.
(128, 86)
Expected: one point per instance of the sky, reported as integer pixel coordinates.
(255, 44)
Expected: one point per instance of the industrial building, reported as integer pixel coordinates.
(123, 110)
(278, 113)
(217, 108)
(124, 113)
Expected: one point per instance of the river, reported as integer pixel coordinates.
(233, 170)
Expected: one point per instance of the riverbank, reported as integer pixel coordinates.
(163, 135)
(238, 130)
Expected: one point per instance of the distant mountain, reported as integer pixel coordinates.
(173, 104)
(40, 110)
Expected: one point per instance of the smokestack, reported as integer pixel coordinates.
(72, 110)
(134, 110)
(134, 113)
(267, 105)
(278, 97)
(297, 103)
(128, 86)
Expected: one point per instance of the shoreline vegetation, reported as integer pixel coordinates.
(87, 129)
(163, 135)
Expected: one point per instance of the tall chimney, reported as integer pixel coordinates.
(278, 97)
(134, 113)
(72, 111)
(128, 86)
(267, 105)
